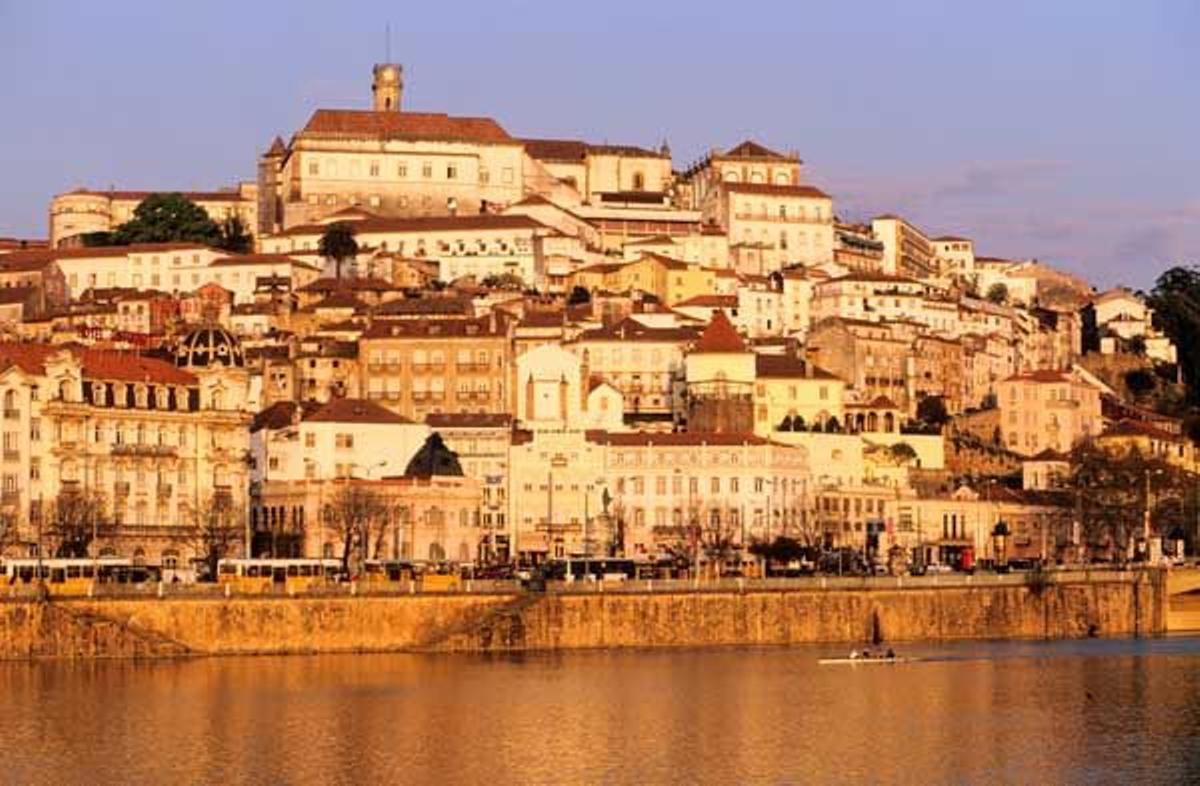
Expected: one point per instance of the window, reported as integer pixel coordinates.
(452, 171)
(484, 177)
(507, 175)
(427, 170)
(402, 170)
(314, 168)
(639, 181)
(374, 169)
(310, 440)
(344, 441)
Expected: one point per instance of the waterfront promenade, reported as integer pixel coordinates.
(186, 620)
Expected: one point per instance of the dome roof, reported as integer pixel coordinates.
(209, 346)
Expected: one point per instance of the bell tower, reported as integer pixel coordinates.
(386, 87)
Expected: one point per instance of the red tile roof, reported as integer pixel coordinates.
(51, 254)
(768, 189)
(469, 420)
(786, 366)
(111, 365)
(480, 221)
(752, 149)
(404, 125)
(720, 336)
(647, 438)
(354, 410)
(710, 301)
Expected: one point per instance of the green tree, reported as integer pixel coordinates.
(1140, 382)
(1136, 345)
(75, 519)
(1176, 303)
(932, 410)
(217, 532)
(167, 218)
(998, 293)
(579, 295)
(338, 244)
(233, 236)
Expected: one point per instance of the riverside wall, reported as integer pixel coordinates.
(508, 622)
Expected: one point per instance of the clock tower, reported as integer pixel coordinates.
(386, 87)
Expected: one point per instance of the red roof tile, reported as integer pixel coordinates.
(353, 410)
(720, 336)
(106, 364)
(769, 189)
(404, 125)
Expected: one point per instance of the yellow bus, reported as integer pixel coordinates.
(74, 576)
(263, 575)
(383, 572)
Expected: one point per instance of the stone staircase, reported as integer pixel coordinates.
(500, 629)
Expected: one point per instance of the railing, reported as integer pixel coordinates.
(142, 449)
(12, 414)
(12, 455)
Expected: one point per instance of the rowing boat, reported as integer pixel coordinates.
(863, 661)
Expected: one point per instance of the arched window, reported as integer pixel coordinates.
(10, 401)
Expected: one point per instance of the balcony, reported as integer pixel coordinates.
(164, 490)
(12, 414)
(429, 368)
(121, 489)
(471, 368)
(12, 455)
(473, 395)
(136, 449)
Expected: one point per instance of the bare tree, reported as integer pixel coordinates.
(216, 532)
(719, 536)
(9, 532)
(359, 517)
(75, 520)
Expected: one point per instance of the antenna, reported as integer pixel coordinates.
(387, 41)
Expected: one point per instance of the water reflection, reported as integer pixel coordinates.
(1090, 712)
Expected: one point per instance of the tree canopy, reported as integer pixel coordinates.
(932, 410)
(1176, 303)
(173, 218)
(338, 244)
(998, 293)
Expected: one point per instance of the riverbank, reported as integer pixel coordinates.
(649, 615)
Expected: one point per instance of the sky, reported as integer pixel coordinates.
(1067, 131)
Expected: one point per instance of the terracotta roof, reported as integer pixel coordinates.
(752, 149)
(1049, 454)
(424, 306)
(30, 358)
(469, 420)
(647, 438)
(720, 336)
(710, 301)
(1137, 428)
(258, 259)
(330, 284)
(776, 366)
(473, 222)
(555, 149)
(542, 319)
(354, 410)
(45, 255)
(632, 330)
(769, 189)
(339, 299)
(433, 328)
(404, 125)
(280, 415)
(130, 367)
(1040, 375)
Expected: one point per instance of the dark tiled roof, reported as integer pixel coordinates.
(776, 366)
(469, 420)
(752, 149)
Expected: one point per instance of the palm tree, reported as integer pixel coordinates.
(338, 244)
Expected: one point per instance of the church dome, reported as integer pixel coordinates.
(207, 347)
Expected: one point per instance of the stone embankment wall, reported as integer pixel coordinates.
(150, 627)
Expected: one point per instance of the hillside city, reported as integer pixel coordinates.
(415, 337)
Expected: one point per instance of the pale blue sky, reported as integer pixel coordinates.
(1068, 131)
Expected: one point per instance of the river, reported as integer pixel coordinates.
(1065, 712)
